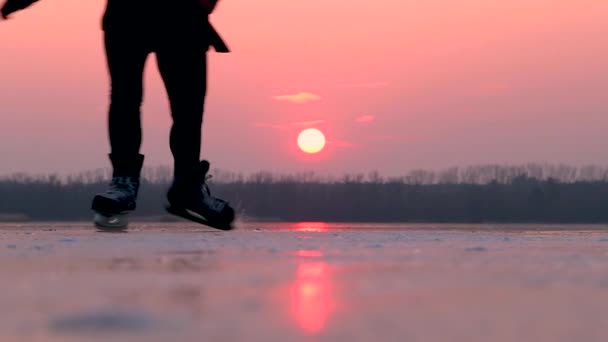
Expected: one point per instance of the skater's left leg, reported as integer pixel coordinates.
(126, 53)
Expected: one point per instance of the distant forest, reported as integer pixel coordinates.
(485, 193)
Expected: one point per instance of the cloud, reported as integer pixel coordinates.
(339, 143)
(365, 119)
(299, 98)
(365, 85)
(391, 137)
(308, 123)
(265, 125)
(286, 126)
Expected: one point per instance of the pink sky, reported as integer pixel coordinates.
(394, 85)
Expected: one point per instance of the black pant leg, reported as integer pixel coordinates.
(182, 62)
(126, 54)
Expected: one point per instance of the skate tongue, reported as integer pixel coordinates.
(203, 169)
(196, 174)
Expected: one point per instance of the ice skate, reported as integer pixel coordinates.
(112, 207)
(191, 199)
(107, 221)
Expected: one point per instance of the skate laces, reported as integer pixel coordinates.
(122, 184)
(214, 203)
(205, 186)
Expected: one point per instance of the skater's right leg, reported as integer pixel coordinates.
(182, 62)
(126, 55)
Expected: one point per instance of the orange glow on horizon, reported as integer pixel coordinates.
(309, 254)
(311, 226)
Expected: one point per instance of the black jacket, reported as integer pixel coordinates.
(160, 15)
(146, 16)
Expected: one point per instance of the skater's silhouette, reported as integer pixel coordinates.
(180, 34)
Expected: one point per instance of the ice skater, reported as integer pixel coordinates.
(180, 34)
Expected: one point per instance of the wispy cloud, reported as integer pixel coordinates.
(308, 123)
(391, 137)
(273, 126)
(365, 119)
(365, 85)
(286, 126)
(299, 98)
(339, 143)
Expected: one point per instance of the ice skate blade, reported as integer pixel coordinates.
(111, 222)
(190, 216)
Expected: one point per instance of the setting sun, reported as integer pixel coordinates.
(311, 140)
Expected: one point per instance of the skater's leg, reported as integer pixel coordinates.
(182, 62)
(126, 54)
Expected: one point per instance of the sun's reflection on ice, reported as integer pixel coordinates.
(313, 302)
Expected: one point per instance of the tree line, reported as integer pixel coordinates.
(483, 193)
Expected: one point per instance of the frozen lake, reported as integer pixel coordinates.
(304, 282)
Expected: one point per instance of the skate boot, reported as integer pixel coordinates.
(114, 205)
(190, 198)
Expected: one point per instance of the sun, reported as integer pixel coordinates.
(311, 140)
